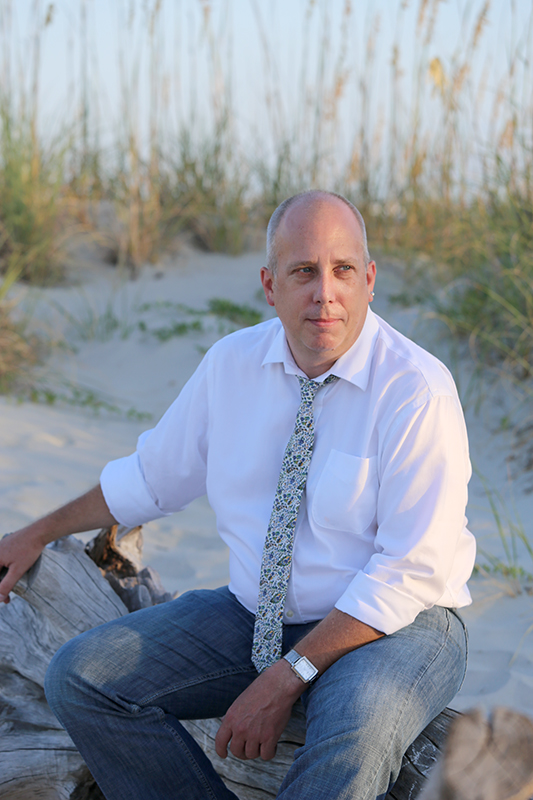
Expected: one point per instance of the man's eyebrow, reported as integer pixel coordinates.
(308, 263)
(313, 262)
(347, 260)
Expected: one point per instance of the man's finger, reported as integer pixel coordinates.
(268, 750)
(222, 740)
(237, 748)
(252, 749)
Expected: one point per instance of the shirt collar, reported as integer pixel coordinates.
(353, 366)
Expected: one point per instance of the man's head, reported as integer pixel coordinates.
(319, 278)
(283, 207)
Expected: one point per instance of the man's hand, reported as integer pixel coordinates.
(257, 718)
(17, 554)
(20, 550)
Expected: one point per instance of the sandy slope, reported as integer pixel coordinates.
(48, 454)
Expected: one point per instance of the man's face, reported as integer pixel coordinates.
(321, 288)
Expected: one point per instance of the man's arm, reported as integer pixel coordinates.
(257, 718)
(20, 550)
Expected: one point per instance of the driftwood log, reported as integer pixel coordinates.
(70, 590)
(484, 759)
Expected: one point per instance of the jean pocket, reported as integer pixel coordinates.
(346, 494)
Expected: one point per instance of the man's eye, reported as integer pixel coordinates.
(346, 267)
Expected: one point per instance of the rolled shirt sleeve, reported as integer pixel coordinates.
(168, 469)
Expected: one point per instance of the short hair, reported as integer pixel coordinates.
(281, 210)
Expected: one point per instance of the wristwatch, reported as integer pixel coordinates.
(301, 665)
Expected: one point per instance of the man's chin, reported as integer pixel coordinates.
(326, 346)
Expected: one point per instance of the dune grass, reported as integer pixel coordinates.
(31, 188)
(440, 162)
(19, 352)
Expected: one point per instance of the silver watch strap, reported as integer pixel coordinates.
(292, 657)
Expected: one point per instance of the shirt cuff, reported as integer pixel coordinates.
(126, 493)
(378, 604)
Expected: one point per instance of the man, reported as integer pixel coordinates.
(354, 558)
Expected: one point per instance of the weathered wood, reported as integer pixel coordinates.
(257, 779)
(63, 594)
(67, 588)
(118, 549)
(118, 553)
(485, 759)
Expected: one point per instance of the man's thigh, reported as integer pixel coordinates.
(190, 656)
(411, 675)
(368, 707)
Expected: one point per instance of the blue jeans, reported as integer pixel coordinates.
(121, 688)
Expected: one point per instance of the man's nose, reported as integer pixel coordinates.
(323, 289)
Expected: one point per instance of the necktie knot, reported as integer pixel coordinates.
(309, 387)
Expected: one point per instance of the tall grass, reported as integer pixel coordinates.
(31, 184)
(434, 147)
(19, 351)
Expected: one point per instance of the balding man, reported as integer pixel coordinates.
(334, 453)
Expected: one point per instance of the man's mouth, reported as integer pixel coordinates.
(323, 322)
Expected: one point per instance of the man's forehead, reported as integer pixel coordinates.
(310, 220)
(319, 212)
(317, 205)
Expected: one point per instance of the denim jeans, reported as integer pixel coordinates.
(121, 689)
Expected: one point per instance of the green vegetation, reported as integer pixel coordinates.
(481, 257)
(440, 163)
(19, 352)
(514, 542)
(31, 185)
(83, 398)
(240, 316)
(176, 329)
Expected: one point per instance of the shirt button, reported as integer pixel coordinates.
(289, 613)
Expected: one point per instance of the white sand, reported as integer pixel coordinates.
(49, 454)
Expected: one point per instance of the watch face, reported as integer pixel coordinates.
(306, 669)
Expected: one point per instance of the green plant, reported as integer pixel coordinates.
(82, 397)
(170, 331)
(19, 350)
(31, 186)
(208, 187)
(242, 315)
(494, 310)
(513, 539)
(96, 318)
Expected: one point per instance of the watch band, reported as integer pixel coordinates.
(301, 666)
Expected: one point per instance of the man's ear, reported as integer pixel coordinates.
(267, 281)
(371, 275)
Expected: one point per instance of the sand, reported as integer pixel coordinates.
(51, 453)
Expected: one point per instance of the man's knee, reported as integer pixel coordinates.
(85, 665)
(60, 682)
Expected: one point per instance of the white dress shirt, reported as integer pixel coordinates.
(381, 533)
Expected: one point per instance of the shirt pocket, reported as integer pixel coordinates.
(346, 494)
